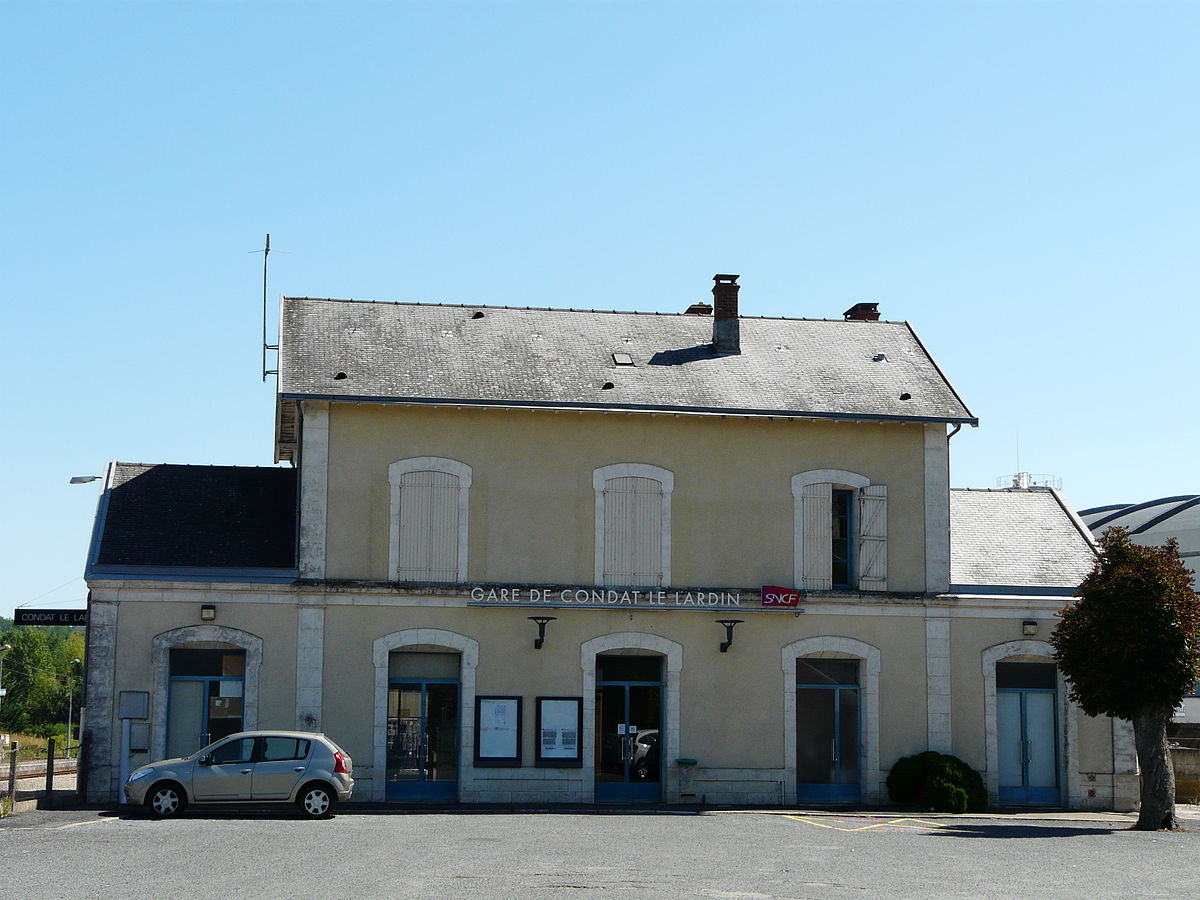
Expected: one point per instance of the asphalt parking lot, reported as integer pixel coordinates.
(480, 853)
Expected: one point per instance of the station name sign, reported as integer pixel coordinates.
(50, 617)
(649, 599)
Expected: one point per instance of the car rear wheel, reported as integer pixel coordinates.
(316, 801)
(166, 800)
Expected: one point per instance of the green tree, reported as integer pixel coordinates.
(39, 676)
(1130, 648)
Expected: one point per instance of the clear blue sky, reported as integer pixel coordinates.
(1018, 180)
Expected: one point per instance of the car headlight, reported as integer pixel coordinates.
(140, 773)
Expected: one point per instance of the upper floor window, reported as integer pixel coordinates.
(633, 524)
(428, 539)
(840, 531)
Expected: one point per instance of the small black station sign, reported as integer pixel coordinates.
(50, 617)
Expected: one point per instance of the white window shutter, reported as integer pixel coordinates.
(633, 531)
(816, 525)
(429, 530)
(872, 538)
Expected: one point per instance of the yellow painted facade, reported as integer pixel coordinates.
(532, 501)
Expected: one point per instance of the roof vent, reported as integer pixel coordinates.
(477, 315)
(862, 312)
(699, 309)
(726, 329)
(607, 386)
(340, 376)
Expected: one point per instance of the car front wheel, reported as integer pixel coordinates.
(166, 800)
(316, 801)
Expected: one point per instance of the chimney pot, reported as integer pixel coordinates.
(862, 312)
(726, 329)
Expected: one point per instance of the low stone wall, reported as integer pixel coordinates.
(1186, 761)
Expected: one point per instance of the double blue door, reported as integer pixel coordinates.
(629, 738)
(422, 751)
(1027, 734)
(827, 731)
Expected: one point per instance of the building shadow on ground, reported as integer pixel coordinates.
(1008, 831)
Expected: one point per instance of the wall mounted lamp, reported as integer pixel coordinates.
(541, 624)
(1029, 628)
(728, 623)
(208, 612)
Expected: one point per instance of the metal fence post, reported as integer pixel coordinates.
(12, 770)
(49, 804)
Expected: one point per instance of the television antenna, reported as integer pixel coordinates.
(266, 252)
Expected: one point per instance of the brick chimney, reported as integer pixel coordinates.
(726, 329)
(862, 312)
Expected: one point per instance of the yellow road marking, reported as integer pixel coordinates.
(891, 823)
(77, 824)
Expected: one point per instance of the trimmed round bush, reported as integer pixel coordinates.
(938, 781)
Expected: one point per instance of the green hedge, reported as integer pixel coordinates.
(938, 781)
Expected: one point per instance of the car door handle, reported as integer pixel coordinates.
(298, 769)
(247, 771)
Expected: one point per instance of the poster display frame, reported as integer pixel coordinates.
(553, 711)
(493, 746)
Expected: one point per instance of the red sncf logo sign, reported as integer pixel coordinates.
(779, 596)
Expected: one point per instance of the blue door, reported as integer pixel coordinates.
(205, 696)
(1027, 734)
(827, 731)
(422, 734)
(629, 739)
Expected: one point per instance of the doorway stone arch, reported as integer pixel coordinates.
(672, 651)
(201, 637)
(831, 646)
(435, 639)
(1068, 728)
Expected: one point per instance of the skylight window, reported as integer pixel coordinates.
(622, 359)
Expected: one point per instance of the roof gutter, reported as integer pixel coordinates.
(634, 408)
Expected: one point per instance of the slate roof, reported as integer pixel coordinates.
(156, 517)
(1014, 540)
(425, 353)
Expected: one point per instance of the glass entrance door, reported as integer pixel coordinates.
(1027, 734)
(422, 727)
(827, 731)
(204, 701)
(629, 748)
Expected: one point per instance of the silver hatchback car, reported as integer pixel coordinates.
(298, 767)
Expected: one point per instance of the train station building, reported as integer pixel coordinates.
(554, 555)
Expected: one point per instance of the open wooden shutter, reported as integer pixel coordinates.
(816, 502)
(872, 538)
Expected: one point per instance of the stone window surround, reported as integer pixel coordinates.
(402, 467)
(213, 637)
(433, 639)
(838, 477)
(836, 647)
(664, 477)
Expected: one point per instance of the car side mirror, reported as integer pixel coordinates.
(205, 760)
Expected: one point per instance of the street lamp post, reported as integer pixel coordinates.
(4, 649)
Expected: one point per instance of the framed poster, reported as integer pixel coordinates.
(559, 730)
(497, 731)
